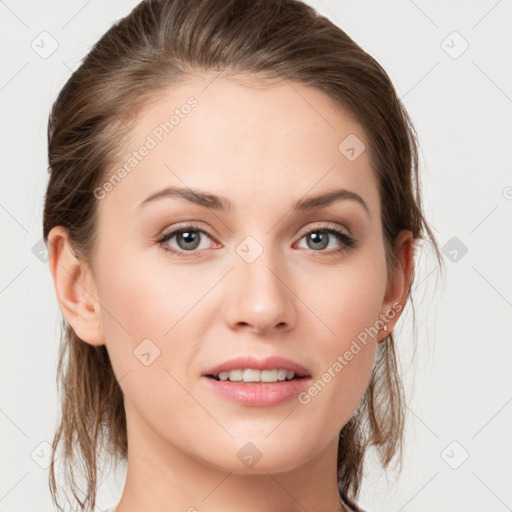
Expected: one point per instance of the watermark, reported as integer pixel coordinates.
(454, 44)
(455, 455)
(249, 249)
(342, 360)
(42, 454)
(351, 147)
(455, 249)
(249, 454)
(146, 352)
(152, 140)
(45, 45)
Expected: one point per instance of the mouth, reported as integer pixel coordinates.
(252, 382)
(245, 369)
(253, 375)
(253, 387)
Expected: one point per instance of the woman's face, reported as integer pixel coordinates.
(258, 278)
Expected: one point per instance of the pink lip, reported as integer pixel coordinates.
(269, 363)
(258, 394)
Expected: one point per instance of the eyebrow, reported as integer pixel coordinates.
(220, 203)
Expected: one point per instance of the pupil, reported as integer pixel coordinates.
(319, 237)
(190, 238)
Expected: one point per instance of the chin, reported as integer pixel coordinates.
(261, 456)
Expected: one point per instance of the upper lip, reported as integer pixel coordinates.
(268, 363)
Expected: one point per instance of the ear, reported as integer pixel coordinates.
(399, 282)
(75, 288)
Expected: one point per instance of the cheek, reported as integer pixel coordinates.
(153, 314)
(345, 299)
(144, 299)
(138, 308)
(144, 321)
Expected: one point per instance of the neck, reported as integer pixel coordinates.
(161, 477)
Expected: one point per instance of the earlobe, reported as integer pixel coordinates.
(399, 281)
(75, 288)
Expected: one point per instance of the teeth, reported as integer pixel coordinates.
(268, 376)
(250, 375)
(281, 374)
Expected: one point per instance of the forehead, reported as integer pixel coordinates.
(238, 136)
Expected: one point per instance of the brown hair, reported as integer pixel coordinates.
(157, 44)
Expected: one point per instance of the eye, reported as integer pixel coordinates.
(188, 239)
(320, 238)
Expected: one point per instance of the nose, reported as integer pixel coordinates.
(260, 297)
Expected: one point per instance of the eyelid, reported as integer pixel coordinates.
(183, 227)
(306, 230)
(325, 225)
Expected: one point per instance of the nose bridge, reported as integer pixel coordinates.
(260, 296)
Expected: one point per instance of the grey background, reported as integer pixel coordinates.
(458, 454)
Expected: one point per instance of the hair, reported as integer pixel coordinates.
(160, 43)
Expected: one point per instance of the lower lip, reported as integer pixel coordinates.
(258, 394)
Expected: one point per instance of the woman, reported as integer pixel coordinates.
(198, 156)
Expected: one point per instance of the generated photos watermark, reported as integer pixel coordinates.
(343, 360)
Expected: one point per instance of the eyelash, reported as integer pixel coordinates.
(348, 242)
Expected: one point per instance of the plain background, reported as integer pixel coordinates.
(450, 63)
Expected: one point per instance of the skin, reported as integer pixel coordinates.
(262, 146)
